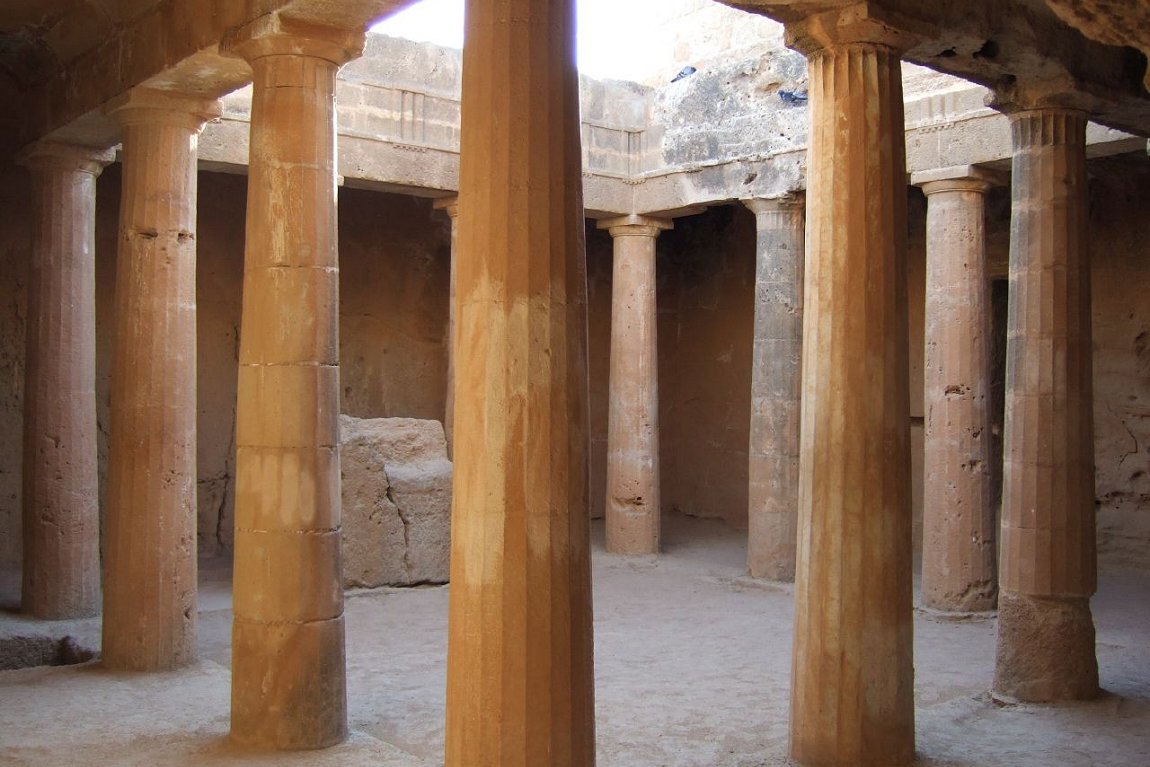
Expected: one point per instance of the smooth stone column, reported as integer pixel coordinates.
(776, 381)
(61, 576)
(959, 541)
(520, 683)
(150, 558)
(852, 699)
(633, 510)
(288, 676)
(450, 205)
(1048, 562)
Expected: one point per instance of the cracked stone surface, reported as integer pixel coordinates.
(396, 502)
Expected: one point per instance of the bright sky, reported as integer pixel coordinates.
(611, 43)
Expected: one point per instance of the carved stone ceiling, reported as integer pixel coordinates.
(38, 37)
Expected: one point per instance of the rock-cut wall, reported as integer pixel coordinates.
(396, 502)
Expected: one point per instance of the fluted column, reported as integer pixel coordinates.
(450, 205)
(150, 557)
(776, 380)
(852, 675)
(288, 676)
(520, 687)
(959, 542)
(1048, 566)
(633, 510)
(61, 576)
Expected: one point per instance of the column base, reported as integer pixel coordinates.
(771, 546)
(632, 529)
(289, 692)
(1045, 649)
(889, 748)
(978, 597)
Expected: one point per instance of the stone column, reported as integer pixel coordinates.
(150, 542)
(61, 514)
(633, 510)
(959, 542)
(451, 206)
(288, 676)
(1048, 568)
(776, 379)
(852, 676)
(520, 686)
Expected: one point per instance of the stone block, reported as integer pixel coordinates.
(396, 502)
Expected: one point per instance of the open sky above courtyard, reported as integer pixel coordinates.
(611, 39)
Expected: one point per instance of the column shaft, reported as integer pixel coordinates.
(61, 575)
(852, 675)
(150, 559)
(776, 381)
(288, 676)
(958, 559)
(632, 508)
(1048, 566)
(520, 684)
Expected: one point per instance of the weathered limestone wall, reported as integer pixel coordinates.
(394, 262)
(706, 287)
(720, 112)
(695, 32)
(219, 270)
(1119, 237)
(395, 253)
(599, 264)
(395, 257)
(15, 242)
(916, 312)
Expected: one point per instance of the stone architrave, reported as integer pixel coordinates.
(150, 557)
(852, 698)
(61, 563)
(288, 674)
(520, 683)
(633, 508)
(450, 205)
(776, 382)
(959, 542)
(1048, 562)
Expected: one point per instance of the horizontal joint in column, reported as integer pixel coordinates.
(308, 585)
(279, 701)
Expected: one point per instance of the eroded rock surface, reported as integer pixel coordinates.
(396, 502)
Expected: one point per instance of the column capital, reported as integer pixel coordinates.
(1013, 96)
(789, 202)
(279, 35)
(68, 157)
(450, 205)
(636, 225)
(862, 23)
(160, 107)
(959, 178)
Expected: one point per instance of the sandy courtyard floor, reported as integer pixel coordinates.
(692, 670)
